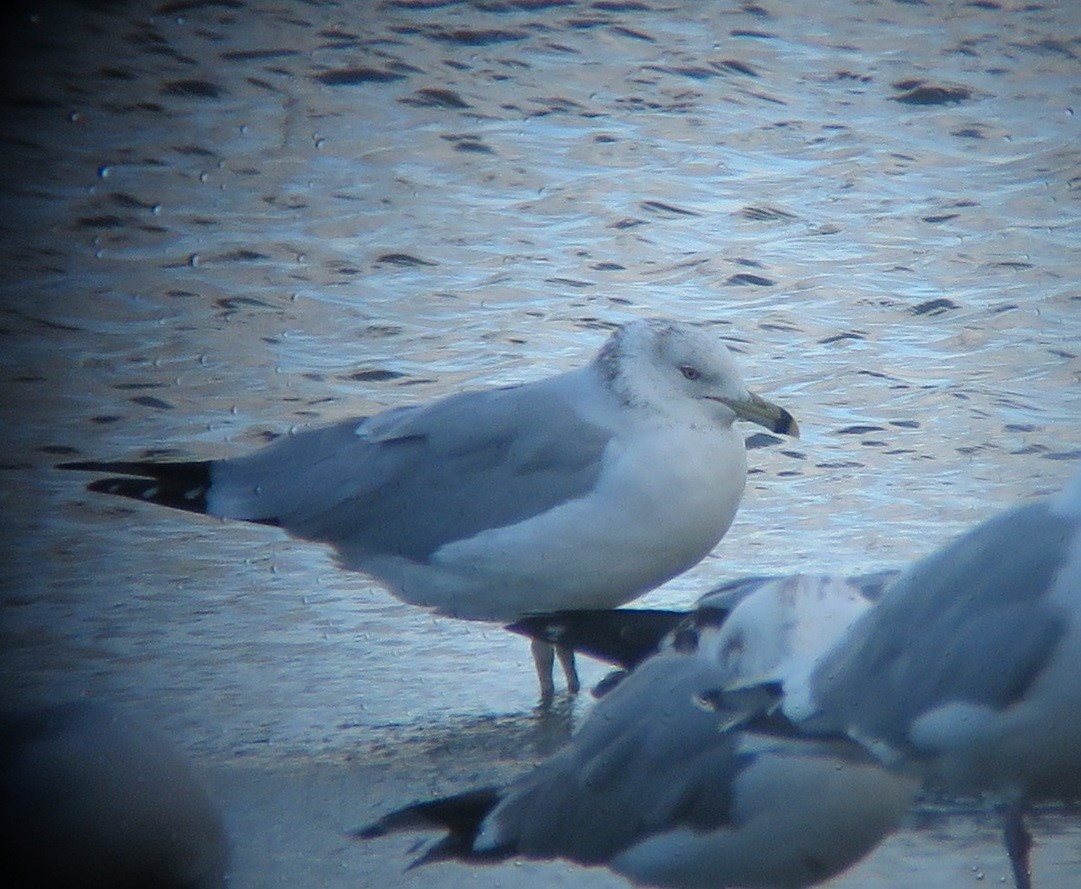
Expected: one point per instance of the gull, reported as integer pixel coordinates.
(959, 675)
(583, 490)
(968, 667)
(677, 779)
(966, 671)
(624, 637)
(92, 797)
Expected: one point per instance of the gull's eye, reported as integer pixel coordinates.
(690, 373)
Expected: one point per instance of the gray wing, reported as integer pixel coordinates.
(970, 623)
(729, 594)
(648, 758)
(410, 480)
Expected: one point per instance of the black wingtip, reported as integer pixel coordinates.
(460, 816)
(620, 636)
(182, 485)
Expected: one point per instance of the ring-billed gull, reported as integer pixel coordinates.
(965, 671)
(91, 797)
(583, 490)
(969, 665)
(669, 785)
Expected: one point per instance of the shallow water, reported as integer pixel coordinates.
(222, 221)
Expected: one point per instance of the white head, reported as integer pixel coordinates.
(780, 631)
(681, 370)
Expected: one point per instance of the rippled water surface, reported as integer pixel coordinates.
(223, 220)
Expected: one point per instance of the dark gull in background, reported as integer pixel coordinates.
(580, 491)
(669, 784)
(93, 798)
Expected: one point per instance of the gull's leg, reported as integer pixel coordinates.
(544, 659)
(1018, 843)
(566, 660)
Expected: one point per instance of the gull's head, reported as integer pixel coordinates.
(781, 631)
(787, 620)
(682, 369)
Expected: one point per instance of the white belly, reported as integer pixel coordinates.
(649, 519)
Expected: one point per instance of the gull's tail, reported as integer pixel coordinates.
(461, 816)
(177, 485)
